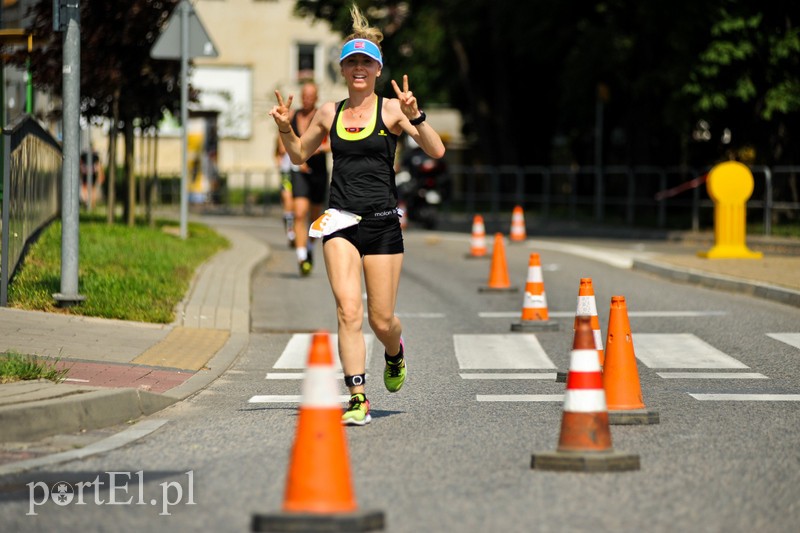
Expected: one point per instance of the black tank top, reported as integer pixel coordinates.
(363, 166)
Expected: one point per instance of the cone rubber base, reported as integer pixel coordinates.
(498, 289)
(607, 461)
(561, 377)
(535, 325)
(333, 523)
(633, 417)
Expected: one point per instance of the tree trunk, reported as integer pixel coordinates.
(112, 157)
(142, 169)
(130, 175)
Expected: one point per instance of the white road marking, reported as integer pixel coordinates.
(517, 314)
(680, 350)
(286, 398)
(711, 375)
(543, 376)
(295, 354)
(674, 314)
(500, 352)
(296, 375)
(747, 397)
(631, 314)
(616, 258)
(792, 339)
(285, 375)
(520, 397)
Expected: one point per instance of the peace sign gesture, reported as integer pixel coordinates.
(408, 102)
(280, 112)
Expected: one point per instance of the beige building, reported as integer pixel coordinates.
(261, 46)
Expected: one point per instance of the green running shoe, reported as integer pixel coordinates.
(357, 412)
(305, 268)
(394, 374)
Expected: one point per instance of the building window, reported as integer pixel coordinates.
(306, 62)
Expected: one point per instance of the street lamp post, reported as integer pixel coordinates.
(68, 21)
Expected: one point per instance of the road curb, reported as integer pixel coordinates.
(85, 409)
(716, 281)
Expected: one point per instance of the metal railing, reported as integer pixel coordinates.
(32, 161)
(646, 196)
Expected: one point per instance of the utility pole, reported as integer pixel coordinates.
(66, 18)
(184, 38)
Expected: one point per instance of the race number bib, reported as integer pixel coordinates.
(332, 220)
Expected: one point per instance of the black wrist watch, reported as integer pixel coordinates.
(419, 120)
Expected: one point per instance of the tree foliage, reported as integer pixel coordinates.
(529, 77)
(119, 79)
(116, 38)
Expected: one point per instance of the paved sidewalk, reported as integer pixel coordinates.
(121, 371)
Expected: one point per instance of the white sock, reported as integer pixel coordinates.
(302, 254)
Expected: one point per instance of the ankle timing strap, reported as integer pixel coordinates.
(355, 380)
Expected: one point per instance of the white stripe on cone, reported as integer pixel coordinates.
(320, 388)
(535, 301)
(586, 306)
(585, 401)
(535, 274)
(584, 361)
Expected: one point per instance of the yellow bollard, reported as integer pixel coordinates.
(730, 184)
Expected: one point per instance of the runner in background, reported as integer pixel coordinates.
(309, 180)
(284, 165)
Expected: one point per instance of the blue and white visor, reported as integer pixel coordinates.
(361, 46)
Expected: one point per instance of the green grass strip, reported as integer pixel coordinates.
(137, 273)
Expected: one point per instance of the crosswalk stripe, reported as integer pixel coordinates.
(631, 314)
(520, 397)
(747, 397)
(504, 351)
(296, 375)
(295, 354)
(543, 376)
(792, 339)
(680, 350)
(711, 375)
(285, 398)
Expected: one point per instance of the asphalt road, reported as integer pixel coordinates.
(450, 452)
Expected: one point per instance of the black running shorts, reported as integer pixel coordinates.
(313, 186)
(374, 236)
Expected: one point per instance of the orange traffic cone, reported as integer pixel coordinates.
(498, 274)
(587, 306)
(535, 315)
(620, 374)
(477, 243)
(319, 492)
(585, 440)
(518, 232)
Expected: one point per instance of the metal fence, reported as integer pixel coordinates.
(640, 196)
(31, 191)
(645, 196)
